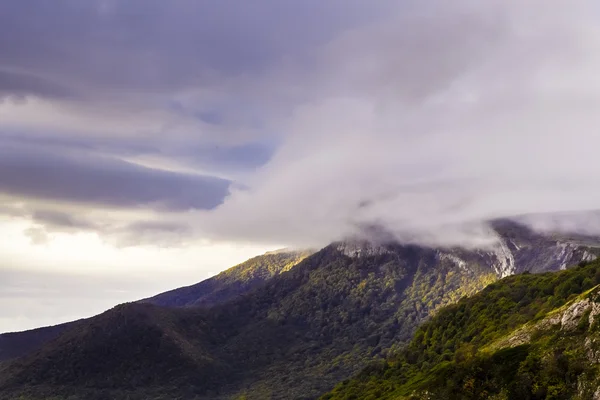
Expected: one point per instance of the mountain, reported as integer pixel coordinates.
(525, 337)
(293, 337)
(233, 282)
(526, 250)
(225, 286)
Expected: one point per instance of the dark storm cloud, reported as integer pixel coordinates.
(57, 142)
(216, 157)
(103, 181)
(19, 85)
(56, 47)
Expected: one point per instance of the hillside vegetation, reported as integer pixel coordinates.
(302, 332)
(530, 336)
(232, 282)
(221, 288)
(305, 327)
(13, 345)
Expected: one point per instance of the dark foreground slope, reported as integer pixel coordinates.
(133, 347)
(233, 282)
(292, 338)
(525, 337)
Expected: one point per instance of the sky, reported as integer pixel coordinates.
(146, 144)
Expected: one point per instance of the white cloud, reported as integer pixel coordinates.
(449, 114)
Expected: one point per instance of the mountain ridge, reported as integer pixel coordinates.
(220, 288)
(232, 282)
(14, 344)
(303, 330)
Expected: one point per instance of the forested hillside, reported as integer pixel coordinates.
(301, 332)
(221, 288)
(525, 337)
(293, 337)
(16, 344)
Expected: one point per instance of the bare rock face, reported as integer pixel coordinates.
(587, 389)
(521, 249)
(359, 248)
(594, 297)
(594, 312)
(570, 318)
(521, 337)
(517, 249)
(592, 348)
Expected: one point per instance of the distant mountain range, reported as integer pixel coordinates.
(280, 326)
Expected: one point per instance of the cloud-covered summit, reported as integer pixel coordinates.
(434, 121)
(297, 122)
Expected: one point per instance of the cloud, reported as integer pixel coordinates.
(20, 85)
(59, 219)
(442, 117)
(69, 189)
(85, 178)
(101, 48)
(111, 106)
(295, 123)
(188, 71)
(302, 122)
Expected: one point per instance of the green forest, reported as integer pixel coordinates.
(505, 342)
